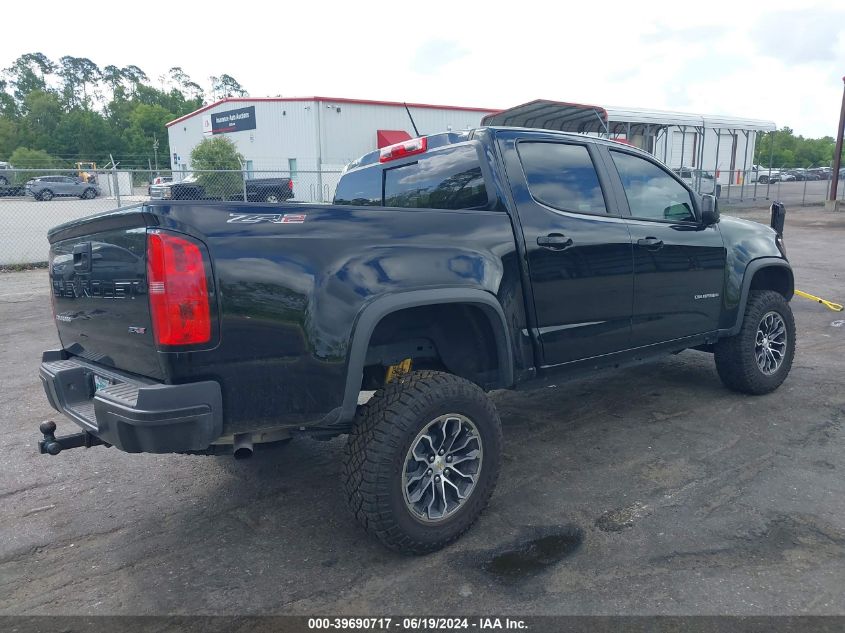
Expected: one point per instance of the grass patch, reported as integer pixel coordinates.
(17, 268)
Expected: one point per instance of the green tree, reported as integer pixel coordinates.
(84, 135)
(25, 158)
(29, 73)
(226, 86)
(218, 153)
(788, 150)
(77, 73)
(75, 110)
(9, 132)
(7, 103)
(114, 78)
(42, 114)
(135, 76)
(146, 125)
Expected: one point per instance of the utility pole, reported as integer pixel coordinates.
(837, 154)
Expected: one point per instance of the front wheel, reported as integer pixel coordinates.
(758, 359)
(422, 460)
(88, 194)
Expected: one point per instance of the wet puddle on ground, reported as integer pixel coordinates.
(536, 555)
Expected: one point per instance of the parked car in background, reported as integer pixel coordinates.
(158, 180)
(7, 181)
(272, 190)
(765, 177)
(701, 181)
(6, 174)
(48, 187)
(787, 176)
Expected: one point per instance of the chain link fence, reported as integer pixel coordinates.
(794, 187)
(34, 200)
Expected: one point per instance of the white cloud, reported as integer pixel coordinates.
(433, 56)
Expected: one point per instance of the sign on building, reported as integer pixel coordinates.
(233, 120)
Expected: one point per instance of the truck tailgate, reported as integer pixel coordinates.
(100, 294)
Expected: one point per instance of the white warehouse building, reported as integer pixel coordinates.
(313, 138)
(310, 138)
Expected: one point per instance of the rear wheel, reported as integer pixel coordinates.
(758, 359)
(272, 198)
(422, 460)
(45, 195)
(3, 181)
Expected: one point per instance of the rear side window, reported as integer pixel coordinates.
(562, 176)
(360, 188)
(445, 179)
(449, 178)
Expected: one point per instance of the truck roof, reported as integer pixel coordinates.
(434, 141)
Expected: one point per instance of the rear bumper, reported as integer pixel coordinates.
(133, 414)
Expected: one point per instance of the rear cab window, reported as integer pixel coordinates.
(450, 178)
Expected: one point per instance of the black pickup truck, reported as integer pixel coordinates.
(448, 266)
(270, 190)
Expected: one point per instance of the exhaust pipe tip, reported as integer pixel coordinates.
(242, 447)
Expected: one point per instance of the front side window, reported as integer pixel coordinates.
(562, 176)
(652, 193)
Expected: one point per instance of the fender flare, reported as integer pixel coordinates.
(370, 315)
(753, 267)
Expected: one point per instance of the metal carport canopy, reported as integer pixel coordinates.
(551, 115)
(583, 118)
(715, 121)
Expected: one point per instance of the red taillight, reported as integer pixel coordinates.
(403, 149)
(290, 185)
(178, 291)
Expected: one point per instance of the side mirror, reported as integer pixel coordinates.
(778, 217)
(709, 210)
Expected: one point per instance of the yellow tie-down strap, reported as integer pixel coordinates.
(836, 307)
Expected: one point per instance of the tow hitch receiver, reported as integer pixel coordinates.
(52, 445)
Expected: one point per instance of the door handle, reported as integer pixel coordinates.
(554, 241)
(651, 243)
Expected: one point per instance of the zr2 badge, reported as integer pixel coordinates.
(272, 218)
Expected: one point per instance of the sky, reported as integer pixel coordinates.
(767, 59)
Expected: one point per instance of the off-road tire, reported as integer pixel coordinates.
(735, 358)
(374, 458)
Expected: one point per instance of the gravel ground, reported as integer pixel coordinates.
(648, 490)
